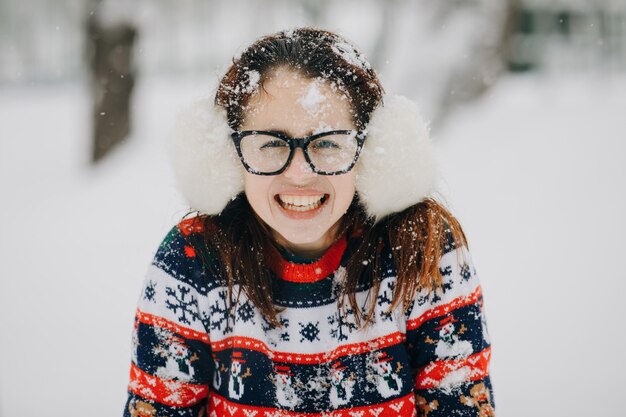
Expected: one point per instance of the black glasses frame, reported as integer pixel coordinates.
(295, 143)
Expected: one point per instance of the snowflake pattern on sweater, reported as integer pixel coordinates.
(193, 356)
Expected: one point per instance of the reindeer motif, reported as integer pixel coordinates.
(480, 399)
(424, 407)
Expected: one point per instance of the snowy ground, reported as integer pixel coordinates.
(536, 172)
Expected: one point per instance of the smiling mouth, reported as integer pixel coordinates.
(300, 202)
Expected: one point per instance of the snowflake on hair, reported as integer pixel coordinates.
(349, 53)
(179, 301)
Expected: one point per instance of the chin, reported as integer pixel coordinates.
(302, 237)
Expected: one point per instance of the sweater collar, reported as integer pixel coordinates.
(299, 270)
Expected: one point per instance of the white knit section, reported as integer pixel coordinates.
(159, 281)
(459, 263)
(319, 316)
(454, 261)
(299, 318)
(461, 278)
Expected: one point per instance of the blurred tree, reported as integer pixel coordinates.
(315, 10)
(110, 41)
(486, 51)
(385, 33)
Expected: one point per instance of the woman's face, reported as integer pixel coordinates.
(301, 207)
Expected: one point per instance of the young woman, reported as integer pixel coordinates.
(318, 275)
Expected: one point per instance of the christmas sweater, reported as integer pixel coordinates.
(193, 356)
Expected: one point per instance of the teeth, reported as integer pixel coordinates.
(299, 202)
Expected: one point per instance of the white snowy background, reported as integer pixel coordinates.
(535, 170)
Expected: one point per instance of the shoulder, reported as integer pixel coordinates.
(185, 256)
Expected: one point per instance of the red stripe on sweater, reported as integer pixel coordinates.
(444, 309)
(472, 368)
(164, 323)
(249, 343)
(400, 407)
(166, 391)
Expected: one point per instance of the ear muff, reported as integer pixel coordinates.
(204, 160)
(396, 168)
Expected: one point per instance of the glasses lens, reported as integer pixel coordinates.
(333, 153)
(264, 153)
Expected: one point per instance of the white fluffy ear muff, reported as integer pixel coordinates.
(396, 168)
(204, 159)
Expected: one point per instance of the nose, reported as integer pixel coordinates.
(298, 167)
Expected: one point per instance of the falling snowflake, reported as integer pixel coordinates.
(180, 302)
(309, 331)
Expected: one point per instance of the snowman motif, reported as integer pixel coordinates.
(217, 375)
(235, 382)
(341, 386)
(388, 383)
(449, 344)
(285, 392)
(178, 360)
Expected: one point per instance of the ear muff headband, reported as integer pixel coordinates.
(396, 168)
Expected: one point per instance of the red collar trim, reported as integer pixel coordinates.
(318, 270)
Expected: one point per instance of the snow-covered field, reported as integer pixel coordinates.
(535, 170)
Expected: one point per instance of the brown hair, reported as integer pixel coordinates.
(313, 53)
(416, 236)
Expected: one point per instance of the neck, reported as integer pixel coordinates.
(310, 250)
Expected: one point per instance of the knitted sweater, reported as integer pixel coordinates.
(192, 357)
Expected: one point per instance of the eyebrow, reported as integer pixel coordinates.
(284, 132)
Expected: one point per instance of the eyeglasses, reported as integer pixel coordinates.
(269, 153)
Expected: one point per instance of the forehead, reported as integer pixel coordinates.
(298, 105)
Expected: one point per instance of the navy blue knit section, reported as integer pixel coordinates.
(312, 294)
(303, 294)
(135, 402)
(151, 352)
(173, 258)
(467, 327)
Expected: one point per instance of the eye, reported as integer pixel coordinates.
(325, 144)
(273, 144)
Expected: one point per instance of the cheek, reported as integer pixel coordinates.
(257, 192)
(344, 190)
